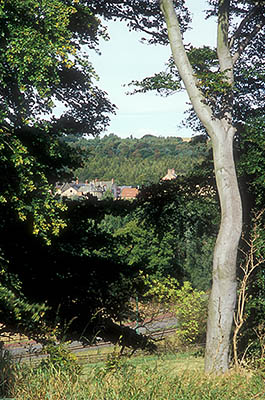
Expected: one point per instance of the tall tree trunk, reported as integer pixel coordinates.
(223, 294)
(221, 131)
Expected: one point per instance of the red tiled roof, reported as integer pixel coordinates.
(129, 193)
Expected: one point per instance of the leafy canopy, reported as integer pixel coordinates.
(42, 64)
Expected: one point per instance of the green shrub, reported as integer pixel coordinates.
(189, 305)
(60, 359)
(56, 377)
(191, 312)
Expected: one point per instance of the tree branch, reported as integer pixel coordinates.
(223, 49)
(184, 67)
(248, 38)
(242, 24)
(252, 261)
(225, 58)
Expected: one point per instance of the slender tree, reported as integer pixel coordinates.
(219, 124)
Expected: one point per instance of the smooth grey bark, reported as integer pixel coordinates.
(223, 294)
(221, 131)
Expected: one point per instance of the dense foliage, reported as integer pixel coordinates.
(46, 243)
(142, 161)
(67, 267)
(42, 64)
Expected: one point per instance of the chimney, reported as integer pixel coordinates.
(77, 181)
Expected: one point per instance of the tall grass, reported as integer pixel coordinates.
(7, 375)
(123, 379)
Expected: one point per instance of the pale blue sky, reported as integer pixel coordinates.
(123, 59)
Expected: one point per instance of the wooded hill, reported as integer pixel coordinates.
(142, 161)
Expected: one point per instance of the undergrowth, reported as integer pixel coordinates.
(60, 378)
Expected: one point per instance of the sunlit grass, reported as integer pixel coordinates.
(167, 377)
(169, 363)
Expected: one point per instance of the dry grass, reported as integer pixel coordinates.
(171, 377)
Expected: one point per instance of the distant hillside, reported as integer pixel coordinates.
(138, 161)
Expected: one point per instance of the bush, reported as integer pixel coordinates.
(188, 304)
(60, 359)
(191, 312)
(56, 377)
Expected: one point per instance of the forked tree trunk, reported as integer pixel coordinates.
(223, 294)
